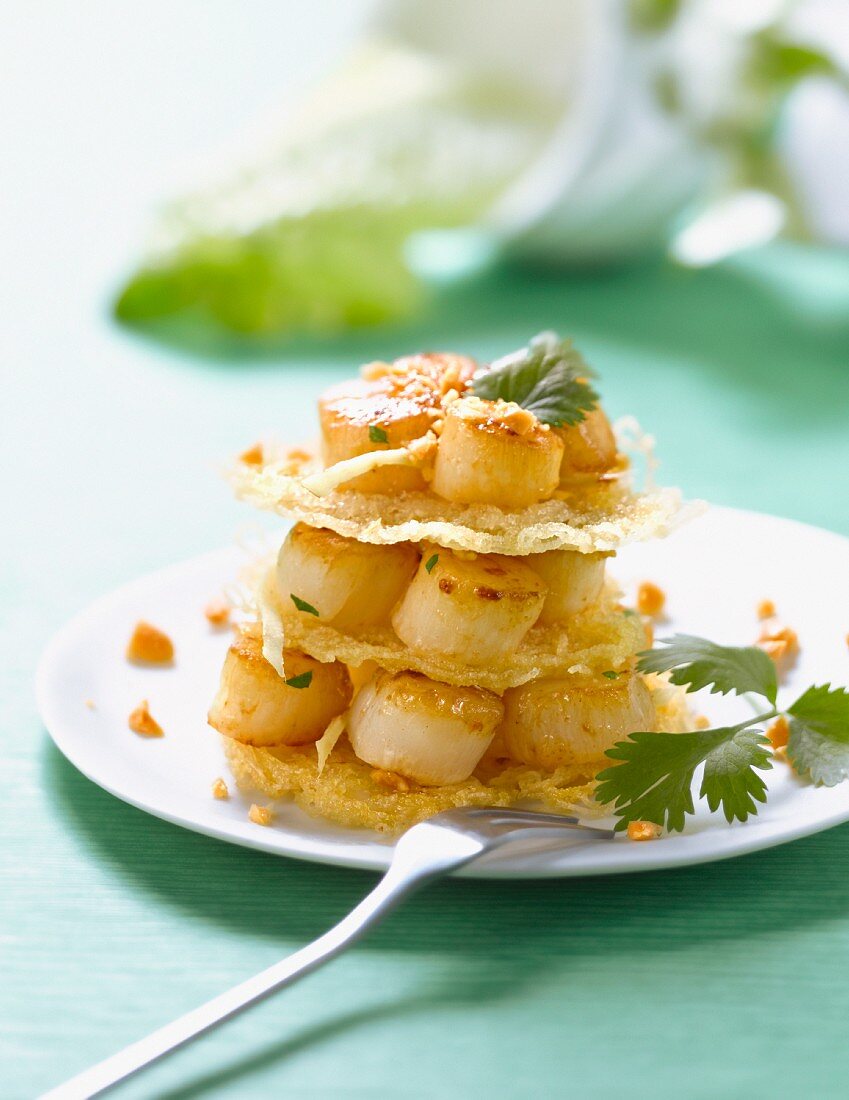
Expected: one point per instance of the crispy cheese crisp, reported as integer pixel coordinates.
(593, 515)
(149, 645)
(601, 638)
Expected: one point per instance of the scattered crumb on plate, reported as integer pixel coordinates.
(779, 732)
(643, 830)
(260, 815)
(650, 599)
(253, 456)
(149, 645)
(141, 721)
(220, 790)
(779, 643)
(217, 612)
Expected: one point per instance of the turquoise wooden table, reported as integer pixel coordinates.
(723, 980)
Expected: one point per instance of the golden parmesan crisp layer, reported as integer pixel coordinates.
(353, 794)
(594, 515)
(600, 639)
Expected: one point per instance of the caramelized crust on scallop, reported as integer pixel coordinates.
(495, 453)
(430, 732)
(348, 583)
(551, 723)
(400, 401)
(258, 707)
(589, 447)
(476, 607)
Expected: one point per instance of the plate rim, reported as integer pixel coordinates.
(287, 842)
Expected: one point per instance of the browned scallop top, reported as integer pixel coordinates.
(479, 709)
(391, 392)
(501, 580)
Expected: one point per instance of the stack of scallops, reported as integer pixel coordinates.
(438, 621)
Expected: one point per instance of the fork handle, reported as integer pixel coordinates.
(406, 873)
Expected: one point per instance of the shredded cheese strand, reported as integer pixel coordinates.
(327, 742)
(326, 481)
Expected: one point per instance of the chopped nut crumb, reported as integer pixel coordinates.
(253, 456)
(643, 830)
(779, 732)
(217, 612)
(779, 644)
(766, 609)
(702, 722)
(141, 721)
(260, 815)
(650, 599)
(220, 790)
(372, 371)
(150, 645)
(391, 780)
(517, 419)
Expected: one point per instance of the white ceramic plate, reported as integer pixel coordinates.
(714, 572)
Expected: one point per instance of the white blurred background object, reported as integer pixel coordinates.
(562, 131)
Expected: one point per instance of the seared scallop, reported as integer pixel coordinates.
(350, 584)
(476, 608)
(396, 404)
(552, 722)
(258, 707)
(589, 447)
(431, 732)
(575, 581)
(495, 453)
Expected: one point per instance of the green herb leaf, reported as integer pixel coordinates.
(611, 675)
(431, 562)
(302, 680)
(819, 734)
(730, 780)
(699, 663)
(302, 605)
(654, 781)
(548, 378)
(377, 434)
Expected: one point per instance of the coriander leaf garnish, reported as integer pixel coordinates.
(699, 663)
(819, 734)
(548, 378)
(610, 674)
(377, 434)
(431, 562)
(730, 780)
(654, 781)
(654, 776)
(302, 605)
(302, 680)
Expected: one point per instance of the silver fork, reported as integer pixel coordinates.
(424, 853)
